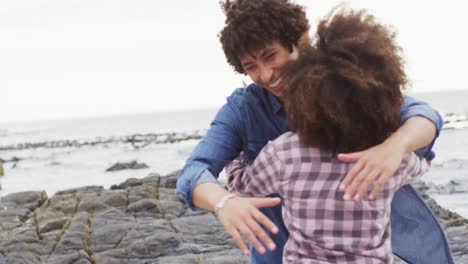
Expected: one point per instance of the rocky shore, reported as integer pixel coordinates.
(137, 221)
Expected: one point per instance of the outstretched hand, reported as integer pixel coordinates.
(241, 217)
(374, 165)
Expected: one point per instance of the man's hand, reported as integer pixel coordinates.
(379, 163)
(376, 164)
(241, 217)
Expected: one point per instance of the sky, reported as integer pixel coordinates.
(63, 59)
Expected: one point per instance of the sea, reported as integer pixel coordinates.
(34, 162)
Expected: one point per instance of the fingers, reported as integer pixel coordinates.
(365, 184)
(351, 175)
(250, 236)
(260, 233)
(350, 157)
(351, 190)
(245, 220)
(362, 182)
(265, 221)
(238, 240)
(379, 185)
(265, 202)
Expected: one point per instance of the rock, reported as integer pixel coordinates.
(128, 183)
(132, 165)
(169, 180)
(137, 221)
(30, 200)
(137, 141)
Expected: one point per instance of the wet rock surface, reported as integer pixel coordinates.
(132, 165)
(137, 221)
(454, 225)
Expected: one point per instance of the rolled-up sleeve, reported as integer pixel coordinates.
(412, 107)
(221, 144)
(267, 168)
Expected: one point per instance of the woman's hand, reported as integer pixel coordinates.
(376, 164)
(241, 218)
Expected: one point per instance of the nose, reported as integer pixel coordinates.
(265, 74)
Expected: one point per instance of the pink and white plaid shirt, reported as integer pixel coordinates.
(323, 227)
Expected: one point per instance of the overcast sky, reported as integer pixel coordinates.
(81, 58)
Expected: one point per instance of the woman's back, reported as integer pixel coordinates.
(323, 227)
(321, 224)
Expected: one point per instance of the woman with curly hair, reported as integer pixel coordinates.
(343, 96)
(259, 38)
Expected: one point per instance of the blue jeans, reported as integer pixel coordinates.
(271, 257)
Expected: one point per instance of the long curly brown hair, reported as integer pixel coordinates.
(344, 92)
(252, 24)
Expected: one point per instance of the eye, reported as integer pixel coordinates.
(250, 68)
(270, 56)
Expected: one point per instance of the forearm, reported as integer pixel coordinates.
(417, 132)
(221, 144)
(206, 195)
(411, 168)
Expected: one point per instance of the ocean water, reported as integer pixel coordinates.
(91, 128)
(53, 169)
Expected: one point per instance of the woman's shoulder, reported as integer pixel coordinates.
(289, 144)
(288, 137)
(286, 141)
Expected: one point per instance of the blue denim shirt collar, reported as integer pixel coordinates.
(275, 104)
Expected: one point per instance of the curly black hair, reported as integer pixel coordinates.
(344, 92)
(252, 24)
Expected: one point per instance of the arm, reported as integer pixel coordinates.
(421, 125)
(258, 179)
(198, 186)
(411, 168)
(221, 144)
(411, 109)
(241, 214)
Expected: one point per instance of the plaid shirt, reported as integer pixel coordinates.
(323, 227)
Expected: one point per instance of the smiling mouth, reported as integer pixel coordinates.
(277, 85)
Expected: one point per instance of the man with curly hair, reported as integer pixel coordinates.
(259, 38)
(337, 100)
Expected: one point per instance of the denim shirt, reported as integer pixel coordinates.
(253, 116)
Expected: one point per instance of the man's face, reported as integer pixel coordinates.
(266, 66)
